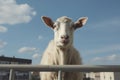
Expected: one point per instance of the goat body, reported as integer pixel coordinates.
(56, 56)
(60, 50)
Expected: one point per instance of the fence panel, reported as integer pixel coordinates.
(60, 68)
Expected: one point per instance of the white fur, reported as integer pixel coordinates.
(58, 53)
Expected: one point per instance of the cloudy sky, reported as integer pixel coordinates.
(24, 35)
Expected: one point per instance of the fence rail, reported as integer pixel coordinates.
(66, 68)
(60, 68)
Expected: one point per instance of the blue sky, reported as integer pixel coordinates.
(24, 35)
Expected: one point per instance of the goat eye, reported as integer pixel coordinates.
(56, 28)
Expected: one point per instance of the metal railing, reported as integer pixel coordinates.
(60, 68)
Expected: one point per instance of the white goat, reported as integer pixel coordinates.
(60, 50)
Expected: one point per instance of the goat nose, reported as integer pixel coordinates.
(65, 37)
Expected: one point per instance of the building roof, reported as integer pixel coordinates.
(14, 59)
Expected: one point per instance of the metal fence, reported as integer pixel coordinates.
(60, 68)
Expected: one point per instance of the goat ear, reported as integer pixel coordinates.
(48, 21)
(80, 22)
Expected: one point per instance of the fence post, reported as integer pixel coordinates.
(59, 75)
(30, 76)
(11, 75)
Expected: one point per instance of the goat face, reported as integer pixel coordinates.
(63, 32)
(64, 29)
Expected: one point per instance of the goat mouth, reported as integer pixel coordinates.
(64, 42)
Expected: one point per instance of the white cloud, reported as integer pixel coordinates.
(110, 59)
(3, 29)
(104, 49)
(13, 13)
(96, 59)
(40, 37)
(36, 55)
(27, 49)
(2, 44)
(2, 50)
(107, 23)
